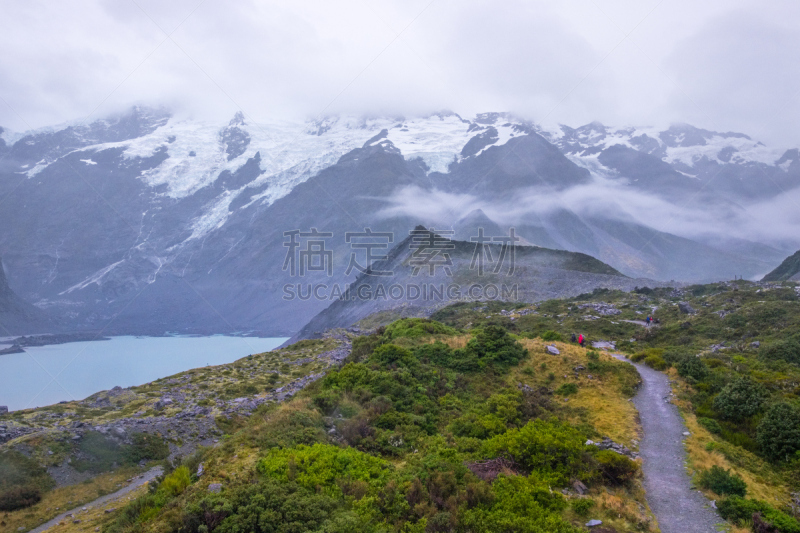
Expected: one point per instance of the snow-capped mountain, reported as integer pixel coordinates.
(148, 220)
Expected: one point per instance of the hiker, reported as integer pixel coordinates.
(573, 338)
(581, 340)
(647, 320)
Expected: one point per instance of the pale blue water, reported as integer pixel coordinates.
(45, 375)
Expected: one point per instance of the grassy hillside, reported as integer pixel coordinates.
(464, 422)
(424, 428)
(733, 352)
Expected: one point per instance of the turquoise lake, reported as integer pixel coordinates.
(45, 375)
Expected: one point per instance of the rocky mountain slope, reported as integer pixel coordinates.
(18, 317)
(537, 274)
(789, 269)
(144, 222)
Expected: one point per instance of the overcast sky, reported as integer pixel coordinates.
(718, 64)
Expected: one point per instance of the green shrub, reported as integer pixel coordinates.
(582, 506)
(327, 401)
(551, 335)
(176, 481)
(741, 510)
(17, 470)
(440, 354)
(656, 362)
(266, 506)
(146, 447)
(566, 389)
(674, 355)
(692, 367)
(477, 426)
(615, 468)
(494, 346)
(363, 347)
(321, 465)
(710, 424)
(788, 351)
(778, 434)
(390, 354)
(550, 447)
(506, 405)
(522, 504)
(416, 327)
(722, 482)
(640, 356)
(741, 399)
(147, 506)
(19, 497)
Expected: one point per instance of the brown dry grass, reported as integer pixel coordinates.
(618, 510)
(606, 409)
(763, 482)
(763, 485)
(455, 342)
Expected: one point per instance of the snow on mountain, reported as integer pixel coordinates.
(681, 145)
(184, 198)
(290, 152)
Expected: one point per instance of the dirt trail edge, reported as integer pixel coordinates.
(677, 507)
(75, 513)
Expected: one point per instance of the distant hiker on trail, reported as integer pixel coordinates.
(574, 339)
(647, 320)
(581, 340)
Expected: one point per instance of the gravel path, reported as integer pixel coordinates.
(135, 484)
(637, 322)
(678, 508)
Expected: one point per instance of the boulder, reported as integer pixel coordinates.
(552, 350)
(215, 487)
(686, 308)
(604, 345)
(162, 403)
(594, 523)
(580, 488)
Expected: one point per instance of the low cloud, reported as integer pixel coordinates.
(773, 222)
(727, 64)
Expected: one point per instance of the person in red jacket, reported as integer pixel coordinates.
(581, 339)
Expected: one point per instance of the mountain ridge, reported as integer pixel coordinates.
(789, 269)
(532, 273)
(190, 214)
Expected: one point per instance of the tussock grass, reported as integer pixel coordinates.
(763, 481)
(600, 400)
